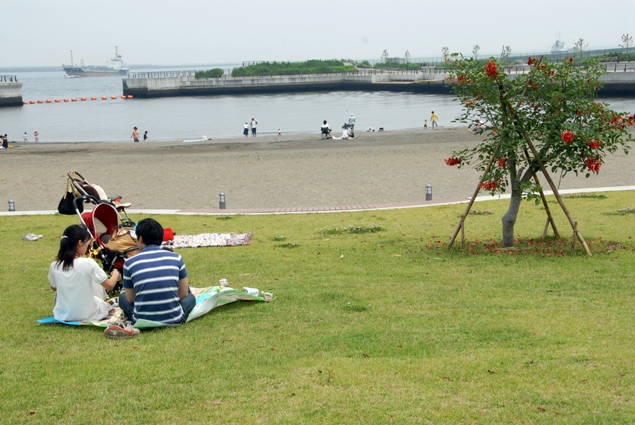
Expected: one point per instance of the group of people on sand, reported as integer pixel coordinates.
(347, 133)
(135, 135)
(155, 284)
(36, 136)
(4, 142)
(251, 127)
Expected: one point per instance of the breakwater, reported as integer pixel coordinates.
(10, 91)
(161, 85)
(619, 81)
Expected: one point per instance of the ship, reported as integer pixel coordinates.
(114, 67)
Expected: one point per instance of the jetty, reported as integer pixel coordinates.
(619, 81)
(10, 91)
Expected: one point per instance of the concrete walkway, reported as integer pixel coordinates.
(336, 209)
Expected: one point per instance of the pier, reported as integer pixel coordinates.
(619, 81)
(10, 91)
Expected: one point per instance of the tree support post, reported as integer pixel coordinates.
(469, 206)
(550, 219)
(557, 195)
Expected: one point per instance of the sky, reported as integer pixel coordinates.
(189, 32)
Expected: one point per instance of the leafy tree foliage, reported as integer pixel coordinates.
(547, 118)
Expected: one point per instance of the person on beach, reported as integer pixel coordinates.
(79, 283)
(253, 125)
(37, 136)
(279, 133)
(434, 119)
(425, 124)
(351, 122)
(5, 142)
(135, 135)
(246, 130)
(25, 137)
(145, 136)
(155, 281)
(325, 128)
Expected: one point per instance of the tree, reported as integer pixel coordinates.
(406, 57)
(384, 56)
(546, 120)
(579, 46)
(475, 51)
(446, 53)
(627, 41)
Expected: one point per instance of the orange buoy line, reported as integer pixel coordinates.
(73, 99)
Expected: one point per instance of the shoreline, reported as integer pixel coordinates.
(289, 171)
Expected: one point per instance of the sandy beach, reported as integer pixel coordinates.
(263, 172)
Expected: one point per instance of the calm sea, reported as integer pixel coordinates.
(178, 118)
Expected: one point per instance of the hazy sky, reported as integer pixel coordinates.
(162, 32)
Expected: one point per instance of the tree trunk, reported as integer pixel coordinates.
(509, 219)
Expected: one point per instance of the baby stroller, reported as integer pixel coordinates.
(78, 186)
(107, 221)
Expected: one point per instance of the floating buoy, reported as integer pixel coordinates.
(74, 99)
(48, 101)
(123, 97)
(57, 101)
(65, 100)
(32, 102)
(93, 98)
(104, 98)
(39, 101)
(113, 97)
(83, 99)
(129, 96)
(25, 102)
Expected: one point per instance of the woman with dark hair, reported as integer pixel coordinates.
(79, 282)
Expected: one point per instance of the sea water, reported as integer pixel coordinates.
(180, 118)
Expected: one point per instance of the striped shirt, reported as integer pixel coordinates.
(154, 273)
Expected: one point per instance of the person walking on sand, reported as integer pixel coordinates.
(25, 137)
(253, 125)
(425, 124)
(145, 136)
(135, 135)
(246, 130)
(434, 119)
(37, 136)
(351, 122)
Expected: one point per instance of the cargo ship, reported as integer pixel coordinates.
(114, 67)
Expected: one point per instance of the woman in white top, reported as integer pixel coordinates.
(79, 282)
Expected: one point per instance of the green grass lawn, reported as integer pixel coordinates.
(375, 321)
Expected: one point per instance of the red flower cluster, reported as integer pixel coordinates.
(567, 136)
(463, 80)
(491, 69)
(453, 161)
(594, 144)
(570, 60)
(502, 162)
(593, 164)
(531, 61)
(490, 185)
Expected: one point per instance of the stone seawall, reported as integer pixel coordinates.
(615, 84)
(11, 94)
(190, 86)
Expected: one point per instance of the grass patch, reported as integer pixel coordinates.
(279, 238)
(585, 196)
(622, 211)
(224, 217)
(351, 229)
(388, 326)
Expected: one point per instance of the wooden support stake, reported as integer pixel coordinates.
(469, 205)
(547, 209)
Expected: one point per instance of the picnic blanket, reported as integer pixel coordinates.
(207, 299)
(208, 239)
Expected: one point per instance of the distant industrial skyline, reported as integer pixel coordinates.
(190, 32)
